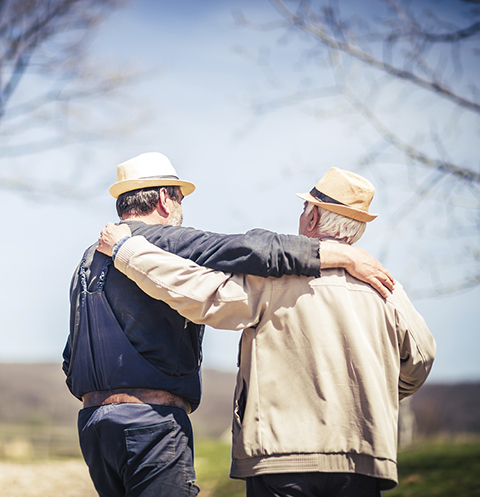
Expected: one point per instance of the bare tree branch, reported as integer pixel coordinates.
(318, 31)
(402, 64)
(410, 151)
(45, 75)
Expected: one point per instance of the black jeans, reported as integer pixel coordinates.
(138, 450)
(312, 485)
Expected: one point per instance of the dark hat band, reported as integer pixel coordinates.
(324, 198)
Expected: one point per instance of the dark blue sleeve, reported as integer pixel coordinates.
(258, 252)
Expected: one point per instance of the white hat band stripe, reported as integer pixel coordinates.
(167, 176)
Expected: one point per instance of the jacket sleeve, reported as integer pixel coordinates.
(200, 294)
(416, 345)
(258, 252)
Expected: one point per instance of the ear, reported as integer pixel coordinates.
(163, 207)
(312, 220)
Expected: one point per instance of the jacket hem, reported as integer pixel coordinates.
(384, 470)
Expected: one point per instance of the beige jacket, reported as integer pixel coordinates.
(323, 361)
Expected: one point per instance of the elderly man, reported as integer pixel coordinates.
(133, 361)
(323, 361)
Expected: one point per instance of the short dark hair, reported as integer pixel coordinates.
(143, 201)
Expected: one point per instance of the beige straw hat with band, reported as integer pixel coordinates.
(343, 192)
(147, 170)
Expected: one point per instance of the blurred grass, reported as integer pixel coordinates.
(36, 441)
(433, 469)
(440, 469)
(212, 462)
(443, 468)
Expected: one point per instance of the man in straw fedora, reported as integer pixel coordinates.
(132, 360)
(323, 361)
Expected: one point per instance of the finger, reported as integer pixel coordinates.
(379, 287)
(387, 281)
(389, 276)
(385, 277)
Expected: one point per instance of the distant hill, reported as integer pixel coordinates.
(452, 408)
(32, 393)
(36, 393)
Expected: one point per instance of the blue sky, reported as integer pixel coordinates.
(194, 106)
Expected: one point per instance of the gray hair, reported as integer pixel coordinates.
(337, 226)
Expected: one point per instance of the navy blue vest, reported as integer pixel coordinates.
(103, 358)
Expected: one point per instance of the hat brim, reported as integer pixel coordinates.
(343, 210)
(135, 184)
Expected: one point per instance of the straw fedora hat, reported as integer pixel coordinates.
(344, 193)
(147, 170)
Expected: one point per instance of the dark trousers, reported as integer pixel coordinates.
(138, 450)
(312, 485)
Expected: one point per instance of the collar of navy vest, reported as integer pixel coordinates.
(324, 198)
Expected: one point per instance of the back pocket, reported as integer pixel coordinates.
(151, 445)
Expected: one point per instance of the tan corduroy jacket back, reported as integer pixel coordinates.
(323, 361)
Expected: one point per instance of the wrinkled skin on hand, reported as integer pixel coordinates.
(359, 263)
(110, 235)
(368, 269)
